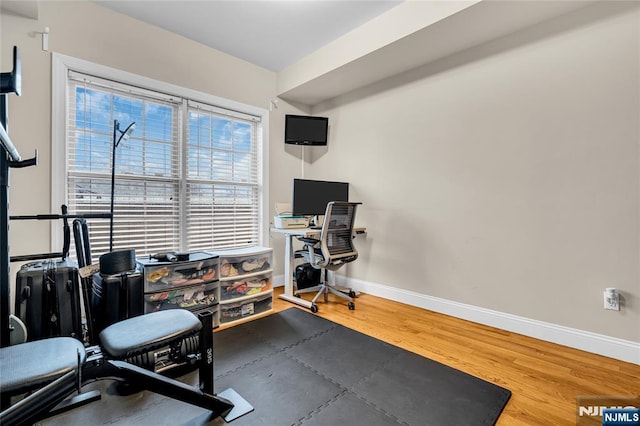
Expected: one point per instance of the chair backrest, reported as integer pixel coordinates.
(336, 238)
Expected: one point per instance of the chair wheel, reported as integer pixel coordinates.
(314, 308)
(352, 293)
(297, 295)
(351, 306)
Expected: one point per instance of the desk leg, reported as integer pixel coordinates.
(289, 260)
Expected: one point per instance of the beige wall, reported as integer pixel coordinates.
(505, 176)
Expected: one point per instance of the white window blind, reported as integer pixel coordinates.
(222, 178)
(177, 187)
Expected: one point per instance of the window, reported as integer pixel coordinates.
(221, 175)
(188, 178)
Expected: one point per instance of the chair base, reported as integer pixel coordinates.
(324, 289)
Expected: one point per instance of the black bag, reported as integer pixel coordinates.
(48, 299)
(307, 276)
(116, 297)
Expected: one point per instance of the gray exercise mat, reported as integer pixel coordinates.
(296, 368)
(317, 372)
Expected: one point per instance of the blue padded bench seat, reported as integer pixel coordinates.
(148, 332)
(32, 364)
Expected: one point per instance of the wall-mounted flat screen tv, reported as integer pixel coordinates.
(305, 130)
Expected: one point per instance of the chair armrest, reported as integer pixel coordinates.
(312, 241)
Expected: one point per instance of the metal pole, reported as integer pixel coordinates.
(5, 271)
(113, 183)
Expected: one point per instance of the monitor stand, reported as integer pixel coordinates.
(315, 222)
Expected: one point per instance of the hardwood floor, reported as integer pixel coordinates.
(545, 378)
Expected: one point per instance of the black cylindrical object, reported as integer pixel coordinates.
(117, 262)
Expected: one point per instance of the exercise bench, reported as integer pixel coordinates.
(59, 366)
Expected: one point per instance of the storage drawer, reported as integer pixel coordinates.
(235, 262)
(247, 286)
(193, 298)
(199, 269)
(245, 308)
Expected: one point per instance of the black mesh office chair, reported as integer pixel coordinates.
(331, 250)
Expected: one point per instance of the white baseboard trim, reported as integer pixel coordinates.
(624, 350)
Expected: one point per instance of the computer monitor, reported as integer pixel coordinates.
(310, 197)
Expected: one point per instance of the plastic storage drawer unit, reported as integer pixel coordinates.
(245, 308)
(193, 298)
(245, 286)
(201, 268)
(243, 264)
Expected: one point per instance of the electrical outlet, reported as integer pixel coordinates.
(611, 299)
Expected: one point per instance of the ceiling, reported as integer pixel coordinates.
(277, 33)
(269, 33)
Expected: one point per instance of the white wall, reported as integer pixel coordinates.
(506, 176)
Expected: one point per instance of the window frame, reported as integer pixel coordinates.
(61, 64)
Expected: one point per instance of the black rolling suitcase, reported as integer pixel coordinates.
(115, 293)
(117, 296)
(48, 299)
(48, 291)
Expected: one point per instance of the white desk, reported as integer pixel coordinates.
(289, 259)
